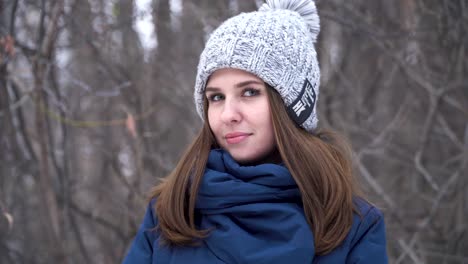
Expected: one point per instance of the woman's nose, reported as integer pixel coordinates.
(231, 111)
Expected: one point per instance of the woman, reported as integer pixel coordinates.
(260, 183)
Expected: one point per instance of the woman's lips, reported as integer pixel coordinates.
(236, 137)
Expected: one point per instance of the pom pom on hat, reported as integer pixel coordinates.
(306, 8)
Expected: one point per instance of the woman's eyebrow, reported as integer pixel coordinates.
(212, 89)
(242, 84)
(238, 85)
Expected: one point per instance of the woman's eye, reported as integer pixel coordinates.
(215, 97)
(251, 92)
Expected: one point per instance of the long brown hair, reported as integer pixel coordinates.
(320, 163)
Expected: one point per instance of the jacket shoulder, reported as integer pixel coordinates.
(141, 249)
(367, 215)
(368, 238)
(366, 209)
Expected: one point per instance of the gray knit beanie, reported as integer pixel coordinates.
(275, 43)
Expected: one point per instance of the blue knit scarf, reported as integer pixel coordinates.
(255, 212)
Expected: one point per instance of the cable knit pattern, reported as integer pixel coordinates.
(275, 44)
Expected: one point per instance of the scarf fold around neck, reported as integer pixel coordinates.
(255, 213)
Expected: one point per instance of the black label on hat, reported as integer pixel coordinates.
(302, 107)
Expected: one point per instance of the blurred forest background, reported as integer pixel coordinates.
(96, 104)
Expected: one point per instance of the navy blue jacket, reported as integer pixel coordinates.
(257, 216)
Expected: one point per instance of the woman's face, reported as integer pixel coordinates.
(239, 115)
